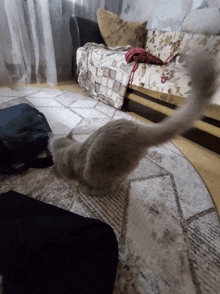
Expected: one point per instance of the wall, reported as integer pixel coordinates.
(161, 14)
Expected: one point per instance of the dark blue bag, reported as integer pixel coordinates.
(23, 136)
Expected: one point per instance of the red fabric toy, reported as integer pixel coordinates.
(141, 55)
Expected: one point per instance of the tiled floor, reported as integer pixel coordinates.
(206, 162)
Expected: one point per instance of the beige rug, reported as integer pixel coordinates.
(163, 216)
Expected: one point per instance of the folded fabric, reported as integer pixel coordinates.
(140, 55)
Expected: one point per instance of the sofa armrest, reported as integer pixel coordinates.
(83, 31)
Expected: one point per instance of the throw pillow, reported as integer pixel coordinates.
(118, 32)
(202, 21)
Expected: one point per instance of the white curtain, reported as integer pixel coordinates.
(35, 40)
(27, 49)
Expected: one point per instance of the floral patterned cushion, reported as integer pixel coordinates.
(118, 32)
(200, 42)
(164, 79)
(164, 45)
(170, 84)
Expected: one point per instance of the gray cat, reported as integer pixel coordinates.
(111, 153)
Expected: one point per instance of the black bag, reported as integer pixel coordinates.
(23, 136)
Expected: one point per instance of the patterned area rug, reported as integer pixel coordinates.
(163, 216)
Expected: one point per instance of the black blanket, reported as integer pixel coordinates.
(45, 249)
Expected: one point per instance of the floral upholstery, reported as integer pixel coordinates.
(164, 45)
(163, 79)
(208, 43)
(171, 82)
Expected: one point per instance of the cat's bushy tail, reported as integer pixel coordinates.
(203, 75)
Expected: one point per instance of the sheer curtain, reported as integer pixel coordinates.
(27, 49)
(35, 40)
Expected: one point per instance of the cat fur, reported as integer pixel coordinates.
(111, 153)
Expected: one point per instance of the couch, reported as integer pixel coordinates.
(154, 91)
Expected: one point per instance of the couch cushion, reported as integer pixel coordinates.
(163, 79)
(169, 84)
(200, 42)
(118, 32)
(164, 45)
